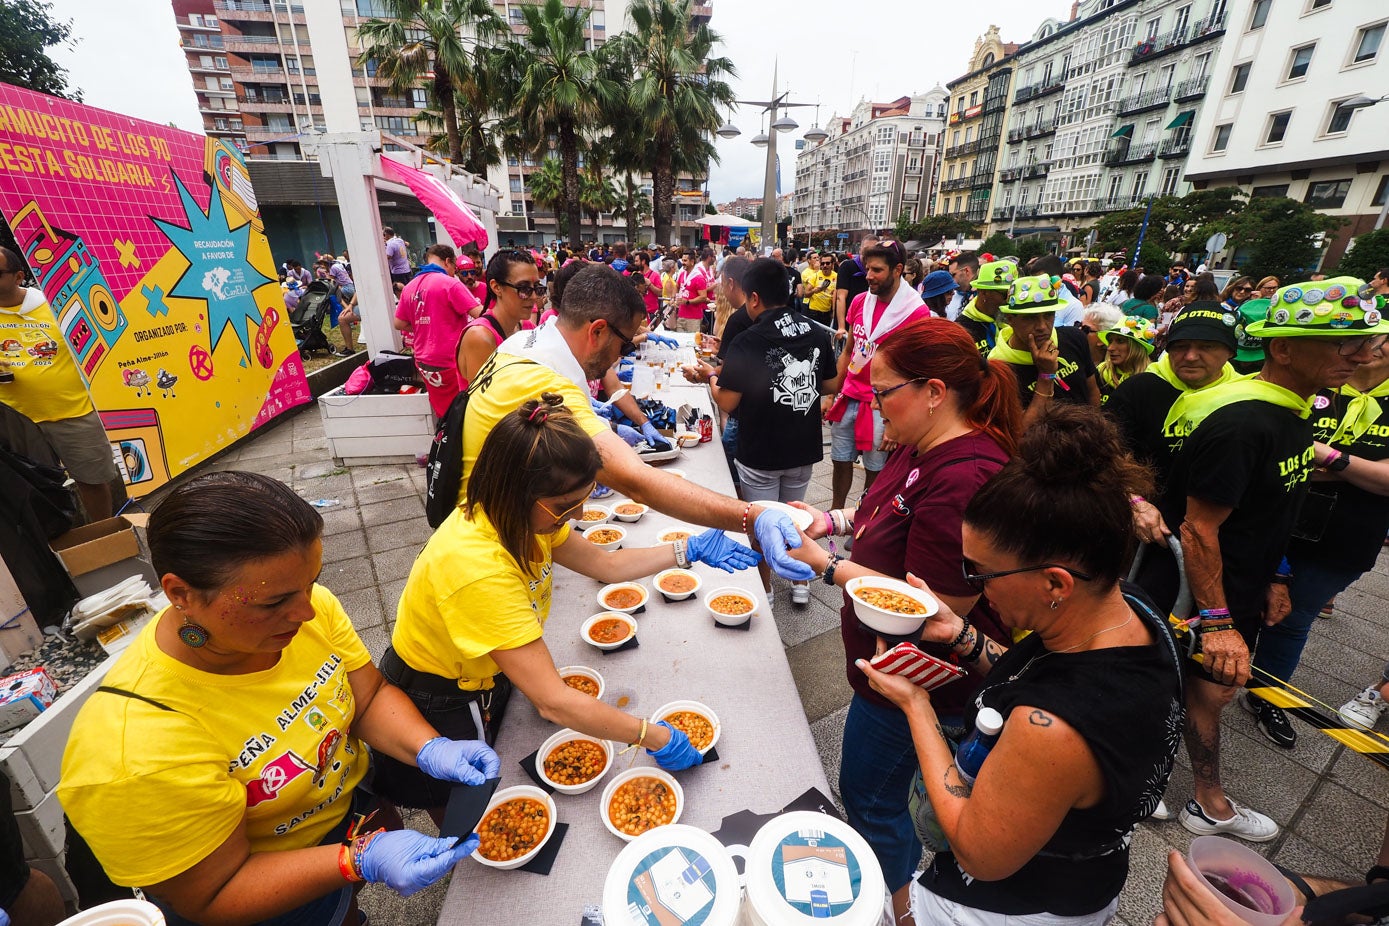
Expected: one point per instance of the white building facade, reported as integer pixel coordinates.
(1275, 121)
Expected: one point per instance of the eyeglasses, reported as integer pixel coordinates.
(976, 580)
(467, 272)
(880, 394)
(527, 289)
(1349, 347)
(1244, 289)
(564, 515)
(628, 345)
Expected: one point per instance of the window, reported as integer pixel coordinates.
(517, 16)
(1260, 14)
(227, 84)
(1170, 178)
(1183, 19)
(205, 61)
(1269, 192)
(1302, 59)
(1277, 127)
(516, 184)
(1327, 194)
(195, 19)
(1314, 5)
(1222, 136)
(210, 21)
(220, 63)
(1138, 181)
(1340, 118)
(419, 98)
(1367, 44)
(1154, 27)
(1239, 77)
(1115, 184)
(988, 59)
(1379, 193)
(974, 98)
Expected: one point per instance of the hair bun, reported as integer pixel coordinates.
(536, 412)
(1070, 444)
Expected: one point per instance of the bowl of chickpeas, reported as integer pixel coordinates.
(890, 606)
(730, 606)
(629, 511)
(572, 762)
(583, 679)
(697, 721)
(591, 516)
(639, 800)
(516, 825)
(608, 537)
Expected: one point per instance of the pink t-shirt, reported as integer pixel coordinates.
(436, 307)
(700, 278)
(857, 384)
(652, 296)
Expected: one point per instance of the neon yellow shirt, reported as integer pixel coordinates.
(821, 302)
(47, 385)
(155, 792)
(467, 597)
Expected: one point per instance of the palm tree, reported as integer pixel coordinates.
(598, 194)
(423, 40)
(677, 92)
(555, 83)
(546, 186)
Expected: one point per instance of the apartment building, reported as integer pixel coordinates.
(978, 102)
(1279, 119)
(877, 163)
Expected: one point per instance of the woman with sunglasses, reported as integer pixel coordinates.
(472, 616)
(1240, 290)
(514, 291)
(955, 418)
(1129, 348)
(1091, 698)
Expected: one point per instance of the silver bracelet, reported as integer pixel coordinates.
(682, 557)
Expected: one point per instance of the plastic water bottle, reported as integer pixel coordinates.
(969, 758)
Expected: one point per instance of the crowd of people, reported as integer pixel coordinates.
(1027, 434)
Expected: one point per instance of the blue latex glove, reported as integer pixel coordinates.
(776, 533)
(654, 437)
(624, 374)
(654, 338)
(4, 918)
(715, 548)
(605, 410)
(678, 754)
(407, 861)
(469, 762)
(631, 435)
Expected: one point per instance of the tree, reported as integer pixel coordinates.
(999, 245)
(932, 228)
(27, 31)
(546, 184)
(1030, 247)
(598, 195)
(555, 83)
(1369, 255)
(424, 40)
(1277, 236)
(677, 91)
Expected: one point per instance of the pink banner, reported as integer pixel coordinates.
(463, 227)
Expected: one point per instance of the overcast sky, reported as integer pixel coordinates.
(128, 59)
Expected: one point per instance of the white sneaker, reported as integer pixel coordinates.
(1364, 709)
(1246, 824)
(800, 594)
(1161, 812)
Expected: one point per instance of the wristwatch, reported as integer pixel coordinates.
(1341, 462)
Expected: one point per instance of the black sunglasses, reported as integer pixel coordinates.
(527, 289)
(629, 346)
(976, 580)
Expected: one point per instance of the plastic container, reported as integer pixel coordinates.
(588, 509)
(672, 874)
(1232, 870)
(565, 736)
(640, 772)
(593, 538)
(586, 672)
(605, 615)
(130, 912)
(889, 623)
(669, 534)
(677, 596)
(730, 620)
(811, 869)
(800, 517)
(508, 794)
(629, 609)
(696, 707)
(628, 516)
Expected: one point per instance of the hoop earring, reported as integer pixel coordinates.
(193, 635)
(1054, 604)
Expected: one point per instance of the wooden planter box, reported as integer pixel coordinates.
(367, 429)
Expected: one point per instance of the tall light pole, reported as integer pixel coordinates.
(1362, 101)
(776, 125)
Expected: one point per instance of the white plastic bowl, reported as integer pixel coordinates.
(687, 439)
(730, 620)
(507, 794)
(799, 517)
(586, 672)
(630, 518)
(640, 772)
(565, 736)
(580, 522)
(603, 593)
(677, 596)
(630, 621)
(666, 536)
(695, 707)
(611, 544)
(890, 622)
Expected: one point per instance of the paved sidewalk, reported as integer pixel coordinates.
(1331, 803)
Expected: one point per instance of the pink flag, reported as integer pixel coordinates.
(463, 227)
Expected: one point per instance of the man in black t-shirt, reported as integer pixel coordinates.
(731, 287)
(979, 316)
(851, 280)
(1050, 362)
(1237, 482)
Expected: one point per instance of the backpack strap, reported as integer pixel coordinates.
(137, 697)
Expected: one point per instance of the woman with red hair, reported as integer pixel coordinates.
(955, 419)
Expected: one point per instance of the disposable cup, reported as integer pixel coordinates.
(1246, 882)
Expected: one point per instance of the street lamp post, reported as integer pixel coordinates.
(1362, 101)
(777, 124)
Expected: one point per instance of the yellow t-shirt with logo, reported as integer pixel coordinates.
(821, 302)
(467, 597)
(47, 385)
(155, 792)
(514, 383)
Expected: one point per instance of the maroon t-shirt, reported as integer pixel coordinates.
(910, 522)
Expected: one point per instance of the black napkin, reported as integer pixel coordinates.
(711, 756)
(545, 859)
(528, 766)
(630, 644)
(745, 625)
(670, 600)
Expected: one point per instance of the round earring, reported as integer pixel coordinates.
(193, 635)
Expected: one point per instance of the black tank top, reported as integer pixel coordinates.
(1126, 702)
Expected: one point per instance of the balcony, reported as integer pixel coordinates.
(264, 133)
(1175, 147)
(1119, 203)
(197, 27)
(1039, 129)
(1010, 174)
(960, 151)
(1039, 89)
(1148, 99)
(253, 43)
(959, 183)
(258, 75)
(1033, 171)
(1192, 89)
(1212, 27)
(1130, 154)
(1158, 46)
(266, 106)
(257, 11)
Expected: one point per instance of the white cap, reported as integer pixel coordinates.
(988, 721)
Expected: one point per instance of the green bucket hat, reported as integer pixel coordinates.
(1033, 295)
(1135, 328)
(1324, 308)
(996, 275)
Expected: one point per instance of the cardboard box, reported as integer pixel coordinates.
(19, 636)
(24, 696)
(103, 554)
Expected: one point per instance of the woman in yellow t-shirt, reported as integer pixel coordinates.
(472, 616)
(217, 766)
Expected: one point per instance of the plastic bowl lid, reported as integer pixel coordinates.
(672, 870)
(812, 869)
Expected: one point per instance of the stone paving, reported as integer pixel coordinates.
(1331, 803)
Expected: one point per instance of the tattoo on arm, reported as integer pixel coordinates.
(1039, 719)
(992, 653)
(956, 788)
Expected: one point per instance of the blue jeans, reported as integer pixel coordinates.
(875, 777)
(729, 439)
(1280, 647)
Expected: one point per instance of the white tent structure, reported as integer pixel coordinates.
(723, 220)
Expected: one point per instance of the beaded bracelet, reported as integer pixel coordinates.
(345, 866)
(975, 651)
(746, 512)
(359, 848)
(964, 633)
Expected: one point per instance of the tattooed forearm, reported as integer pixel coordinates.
(954, 786)
(992, 653)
